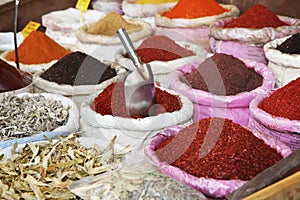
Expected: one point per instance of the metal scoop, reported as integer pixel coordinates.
(139, 87)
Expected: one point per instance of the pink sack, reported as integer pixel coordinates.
(208, 186)
(234, 107)
(238, 49)
(282, 129)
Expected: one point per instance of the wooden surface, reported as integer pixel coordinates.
(288, 188)
(29, 10)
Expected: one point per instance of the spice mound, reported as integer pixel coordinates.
(190, 9)
(284, 102)
(111, 101)
(161, 48)
(11, 78)
(110, 24)
(218, 148)
(257, 16)
(154, 1)
(78, 68)
(291, 45)
(38, 48)
(28, 115)
(223, 74)
(44, 170)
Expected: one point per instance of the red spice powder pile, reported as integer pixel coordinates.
(228, 152)
(38, 48)
(161, 48)
(191, 9)
(284, 102)
(112, 102)
(257, 16)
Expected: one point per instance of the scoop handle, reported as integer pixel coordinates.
(129, 46)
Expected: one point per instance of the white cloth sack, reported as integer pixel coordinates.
(69, 19)
(162, 69)
(7, 41)
(285, 66)
(144, 10)
(78, 92)
(129, 131)
(282, 129)
(71, 126)
(234, 107)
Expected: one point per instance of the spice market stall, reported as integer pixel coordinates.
(222, 114)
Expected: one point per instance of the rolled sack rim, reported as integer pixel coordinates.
(273, 122)
(65, 89)
(163, 120)
(85, 37)
(258, 36)
(162, 21)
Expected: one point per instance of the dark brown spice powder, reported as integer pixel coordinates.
(291, 45)
(223, 74)
(78, 68)
(11, 78)
(218, 148)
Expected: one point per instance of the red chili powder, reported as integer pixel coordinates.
(257, 16)
(161, 48)
(190, 9)
(111, 101)
(284, 102)
(228, 152)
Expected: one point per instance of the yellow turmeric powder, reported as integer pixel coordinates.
(190, 9)
(110, 24)
(154, 1)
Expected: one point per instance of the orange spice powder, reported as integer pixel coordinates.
(38, 48)
(190, 9)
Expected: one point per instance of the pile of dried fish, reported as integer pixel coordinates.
(44, 170)
(119, 185)
(28, 115)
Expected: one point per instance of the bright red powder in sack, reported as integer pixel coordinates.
(228, 152)
(190, 9)
(284, 102)
(111, 101)
(257, 16)
(161, 48)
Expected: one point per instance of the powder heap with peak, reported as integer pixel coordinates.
(190, 9)
(38, 48)
(257, 16)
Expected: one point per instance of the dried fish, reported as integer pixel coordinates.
(44, 170)
(28, 115)
(122, 184)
